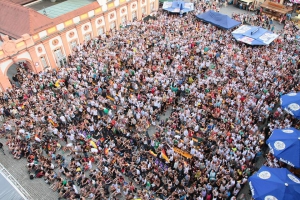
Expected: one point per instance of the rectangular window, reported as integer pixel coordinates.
(144, 10)
(101, 31)
(73, 44)
(152, 7)
(124, 19)
(60, 57)
(44, 62)
(112, 25)
(58, 54)
(134, 15)
(87, 37)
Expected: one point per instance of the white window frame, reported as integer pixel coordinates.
(114, 25)
(152, 6)
(59, 57)
(134, 15)
(144, 10)
(44, 62)
(73, 45)
(58, 53)
(103, 30)
(124, 19)
(87, 37)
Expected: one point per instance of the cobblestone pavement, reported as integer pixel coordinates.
(37, 188)
(232, 9)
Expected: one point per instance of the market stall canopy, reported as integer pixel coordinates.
(284, 144)
(178, 7)
(254, 35)
(218, 19)
(274, 183)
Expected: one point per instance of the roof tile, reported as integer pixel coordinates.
(19, 20)
(22, 2)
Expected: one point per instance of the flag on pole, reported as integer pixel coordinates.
(152, 153)
(93, 144)
(164, 155)
(53, 123)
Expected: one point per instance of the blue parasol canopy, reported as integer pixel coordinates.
(291, 103)
(284, 144)
(274, 184)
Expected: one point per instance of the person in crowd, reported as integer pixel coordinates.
(85, 127)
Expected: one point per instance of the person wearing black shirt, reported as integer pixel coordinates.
(1, 148)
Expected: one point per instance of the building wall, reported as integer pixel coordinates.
(48, 47)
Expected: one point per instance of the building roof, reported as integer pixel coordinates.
(77, 12)
(63, 7)
(18, 20)
(22, 2)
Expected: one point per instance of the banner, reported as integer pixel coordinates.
(183, 153)
(110, 98)
(267, 38)
(167, 4)
(242, 29)
(246, 40)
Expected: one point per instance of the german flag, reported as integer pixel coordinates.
(164, 155)
(152, 153)
(53, 123)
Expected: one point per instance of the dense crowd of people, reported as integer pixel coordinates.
(84, 127)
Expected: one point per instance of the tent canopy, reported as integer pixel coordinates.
(178, 7)
(218, 19)
(254, 35)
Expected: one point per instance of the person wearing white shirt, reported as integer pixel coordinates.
(72, 137)
(63, 119)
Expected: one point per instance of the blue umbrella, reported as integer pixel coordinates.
(274, 184)
(284, 144)
(291, 103)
